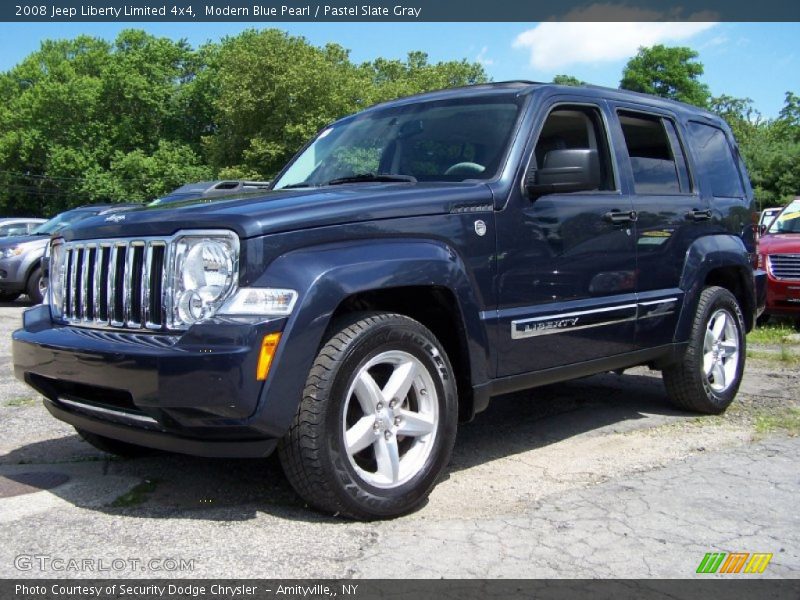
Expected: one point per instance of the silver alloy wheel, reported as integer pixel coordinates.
(721, 351)
(43, 282)
(391, 415)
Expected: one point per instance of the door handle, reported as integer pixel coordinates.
(698, 215)
(617, 217)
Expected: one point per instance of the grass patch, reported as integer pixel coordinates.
(21, 401)
(787, 420)
(772, 333)
(136, 496)
(783, 356)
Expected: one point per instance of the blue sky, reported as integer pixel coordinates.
(756, 60)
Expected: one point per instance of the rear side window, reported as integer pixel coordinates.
(714, 157)
(658, 165)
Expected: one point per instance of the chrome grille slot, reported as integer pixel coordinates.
(785, 266)
(115, 283)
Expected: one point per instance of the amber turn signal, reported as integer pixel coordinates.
(268, 346)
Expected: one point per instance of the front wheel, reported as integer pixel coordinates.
(708, 376)
(377, 421)
(37, 286)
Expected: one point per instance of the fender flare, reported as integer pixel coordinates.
(705, 255)
(325, 275)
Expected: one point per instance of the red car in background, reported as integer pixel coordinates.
(779, 256)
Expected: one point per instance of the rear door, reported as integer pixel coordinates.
(671, 214)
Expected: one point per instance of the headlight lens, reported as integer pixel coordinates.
(56, 269)
(13, 251)
(206, 267)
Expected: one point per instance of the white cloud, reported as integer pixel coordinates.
(482, 59)
(553, 46)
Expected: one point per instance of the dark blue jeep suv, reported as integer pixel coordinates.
(411, 262)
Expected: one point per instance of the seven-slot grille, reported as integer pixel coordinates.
(785, 266)
(115, 283)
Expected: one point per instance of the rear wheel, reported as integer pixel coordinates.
(709, 374)
(8, 296)
(112, 446)
(377, 421)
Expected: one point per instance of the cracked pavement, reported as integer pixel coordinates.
(593, 478)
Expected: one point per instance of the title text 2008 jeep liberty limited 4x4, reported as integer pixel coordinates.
(408, 264)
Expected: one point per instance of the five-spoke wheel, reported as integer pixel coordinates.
(390, 418)
(707, 376)
(377, 421)
(721, 351)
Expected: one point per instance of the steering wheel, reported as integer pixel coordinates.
(465, 168)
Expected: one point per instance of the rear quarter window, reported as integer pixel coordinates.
(714, 156)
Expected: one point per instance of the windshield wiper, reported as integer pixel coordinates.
(368, 177)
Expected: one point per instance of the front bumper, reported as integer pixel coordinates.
(783, 297)
(194, 393)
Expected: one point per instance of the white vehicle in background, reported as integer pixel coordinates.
(766, 217)
(18, 225)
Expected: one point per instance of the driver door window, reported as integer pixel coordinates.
(573, 130)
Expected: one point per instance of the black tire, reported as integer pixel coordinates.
(334, 477)
(34, 289)
(688, 384)
(762, 320)
(116, 447)
(8, 296)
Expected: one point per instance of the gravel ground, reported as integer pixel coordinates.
(593, 478)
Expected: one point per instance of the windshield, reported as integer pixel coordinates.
(788, 221)
(61, 221)
(450, 140)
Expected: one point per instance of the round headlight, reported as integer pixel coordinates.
(206, 271)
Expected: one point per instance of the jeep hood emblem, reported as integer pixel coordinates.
(115, 218)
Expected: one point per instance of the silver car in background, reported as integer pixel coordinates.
(21, 256)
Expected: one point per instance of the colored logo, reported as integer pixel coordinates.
(734, 562)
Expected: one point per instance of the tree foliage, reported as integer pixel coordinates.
(668, 72)
(85, 120)
(567, 80)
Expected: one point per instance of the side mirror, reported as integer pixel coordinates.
(564, 171)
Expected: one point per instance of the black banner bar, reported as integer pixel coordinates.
(733, 588)
(396, 10)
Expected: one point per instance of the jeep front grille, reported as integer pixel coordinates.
(115, 283)
(785, 266)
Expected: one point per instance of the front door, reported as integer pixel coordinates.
(566, 261)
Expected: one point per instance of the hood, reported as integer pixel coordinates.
(31, 241)
(779, 243)
(253, 215)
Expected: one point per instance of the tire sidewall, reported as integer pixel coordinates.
(395, 333)
(33, 286)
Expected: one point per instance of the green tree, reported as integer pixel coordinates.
(567, 80)
(87, 120)
(74, 108)
(395, 78)
(667, 72)
(274, 91)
